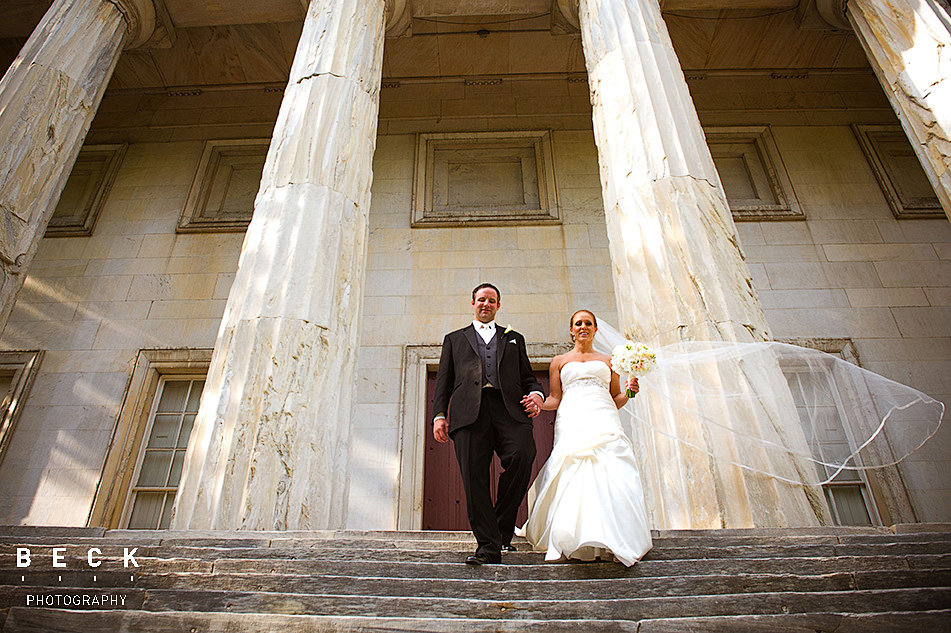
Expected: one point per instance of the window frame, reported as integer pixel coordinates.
(887, 499)
(156, 398)
(120, 466)
(25, 366)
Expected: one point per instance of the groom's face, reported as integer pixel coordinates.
(485, 305)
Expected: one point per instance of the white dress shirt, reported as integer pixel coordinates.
(485, 330)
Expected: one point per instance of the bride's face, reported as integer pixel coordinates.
(582, 327)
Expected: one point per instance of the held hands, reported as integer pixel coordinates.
(532, 404)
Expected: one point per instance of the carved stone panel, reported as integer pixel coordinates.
(221, 197)
(900, 175)
(86, 190)
(752, 173)
(484, 178)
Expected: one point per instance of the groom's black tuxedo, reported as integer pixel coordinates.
(488, 419)
(459, 380)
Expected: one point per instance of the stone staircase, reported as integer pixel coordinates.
(817, 579)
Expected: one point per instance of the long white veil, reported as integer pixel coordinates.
(798, 415)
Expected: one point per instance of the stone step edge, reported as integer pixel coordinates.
(516, 601)
(343, 541)
(24, 530)
(113, 620)
(697, 577)
(407, 547)
(79, 562)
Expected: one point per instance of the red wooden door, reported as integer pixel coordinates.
(444, 500)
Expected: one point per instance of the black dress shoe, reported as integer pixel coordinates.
(509, 548)
(480, 558)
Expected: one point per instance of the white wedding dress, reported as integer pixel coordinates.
(587, 502)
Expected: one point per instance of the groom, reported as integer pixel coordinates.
(484, 373)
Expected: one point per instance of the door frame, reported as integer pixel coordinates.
(417, 361)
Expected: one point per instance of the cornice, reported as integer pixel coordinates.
(399, 18)
(139, 16)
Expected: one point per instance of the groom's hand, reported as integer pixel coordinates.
(441, 430)
(532, 404)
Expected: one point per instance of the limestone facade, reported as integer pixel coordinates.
(849, 269)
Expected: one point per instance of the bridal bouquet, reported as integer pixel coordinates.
(632, 359)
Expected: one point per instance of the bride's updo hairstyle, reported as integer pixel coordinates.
(571, 321)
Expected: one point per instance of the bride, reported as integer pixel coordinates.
(587, 501)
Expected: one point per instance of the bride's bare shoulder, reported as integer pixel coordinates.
(559, 361)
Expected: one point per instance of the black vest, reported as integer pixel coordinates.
(489, 352)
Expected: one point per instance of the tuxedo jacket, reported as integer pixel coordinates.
(459, 379)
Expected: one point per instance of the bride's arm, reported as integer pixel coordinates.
(554, 385)
(617, 393)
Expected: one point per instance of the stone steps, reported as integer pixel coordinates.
(822, 579)
(45, 620)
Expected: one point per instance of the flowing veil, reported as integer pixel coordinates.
(797, 415)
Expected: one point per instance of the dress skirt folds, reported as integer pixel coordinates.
(587, 502)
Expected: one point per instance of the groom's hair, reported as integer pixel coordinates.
(498, 294)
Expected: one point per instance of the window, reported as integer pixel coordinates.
(85, 191)
(823, 404)
(898, 171)
(221, 197)
(160, 464)
(17, 372)
(821, 412)
(486, 178)
(752, 173)
(144, 462)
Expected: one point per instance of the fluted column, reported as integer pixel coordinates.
(908, 43)
(270, 446)
(678, 270)
(48, 98)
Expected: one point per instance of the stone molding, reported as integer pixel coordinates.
(564, 16)
(399, 18)
(769, 166)
(889, 176)
(90, 204)
(140, 18)
(833, 12)
(212, 183)
(436, 202)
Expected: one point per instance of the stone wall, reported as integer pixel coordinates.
(92, 303)
(419, 284)
(849, 270)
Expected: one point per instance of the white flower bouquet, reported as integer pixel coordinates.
(632, 359)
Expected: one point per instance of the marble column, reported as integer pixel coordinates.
(48, 98)
(270, 446)
(678, 270)
(908, 43)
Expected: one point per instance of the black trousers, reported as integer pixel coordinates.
(494, 431)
